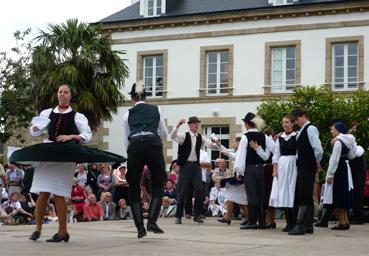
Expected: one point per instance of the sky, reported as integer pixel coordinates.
(37, 14)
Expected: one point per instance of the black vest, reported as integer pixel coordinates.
(344, 151)
(288, 147)
(304, 149)
(144, 118)
(62, 124)
(252, 157)
(184, 150)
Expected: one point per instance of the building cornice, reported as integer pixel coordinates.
(239, 16)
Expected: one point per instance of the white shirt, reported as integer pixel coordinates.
(42, 122)
(163, 132)
(240, 161)
(313, 136)
(180, 138)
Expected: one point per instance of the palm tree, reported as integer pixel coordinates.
(78, 54)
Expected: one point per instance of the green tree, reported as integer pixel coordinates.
(80, 55)
(16, 109)
(323, 107)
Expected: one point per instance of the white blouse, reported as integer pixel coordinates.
(277, 149)
(42, 121)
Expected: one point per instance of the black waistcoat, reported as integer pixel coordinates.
(144, 118)
(305, 151)
(62, 124)
(288, 147)
(184, 150)
(252, 157)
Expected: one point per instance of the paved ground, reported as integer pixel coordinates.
(211, 238)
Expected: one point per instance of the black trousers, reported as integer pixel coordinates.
(190, 176)
(305, 184)
(146, 152)
(358, 167)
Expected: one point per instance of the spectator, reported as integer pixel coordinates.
(167, 209)
(71, 211)
(170, 191)
(81, 175)
(222, 171)
(105, 180)
(121, 189)
(93, 211)
(124, 211)
(27, 180)
(145, 209)
(92, 175)
(4, 194)
(108, 206)
(27, 205)
(50, 210)
(146, 184)
(174, 170)
(78, 197)
(366, 189)
(217, 194)
(13, 208)
(14, 178)
(2, 180)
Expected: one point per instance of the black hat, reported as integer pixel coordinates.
(297, 112)
(248, 117)
(193, 119)
(137, 89)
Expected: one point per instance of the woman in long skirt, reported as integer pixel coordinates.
(55, 160)
(285, 172)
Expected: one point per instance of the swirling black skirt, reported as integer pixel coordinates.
(63, 152)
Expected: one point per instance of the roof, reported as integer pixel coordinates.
(177, 8)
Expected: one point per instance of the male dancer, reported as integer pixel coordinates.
(309, 155)
(144, 125)
(190, 172)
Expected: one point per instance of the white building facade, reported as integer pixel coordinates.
(220, 64)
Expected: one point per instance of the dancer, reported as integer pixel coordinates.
(144, 127)
(235, 190)
(285, 171)
(190, 173)
(252, 153)
(309, 155)
(55, 161)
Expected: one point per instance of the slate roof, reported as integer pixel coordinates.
(176, 8)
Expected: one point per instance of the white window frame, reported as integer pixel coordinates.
(154, 77)
(154, 8)
(345, 68)
(207, 131)
(283, 86)
(218, 87)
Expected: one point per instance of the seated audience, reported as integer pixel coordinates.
(167, 209)
(108, 206)
(92, 210)
(81, 175)
(170, 191)
(105, 180)
(78, 197)
(124, 211)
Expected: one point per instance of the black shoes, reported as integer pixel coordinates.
(321, 225)
(178, 221)
(249, 226)
(224, 220)
(271, 225)
(58, 238)
(341, 227)
(153, 227)
(198, 219)
(141, 232)
(35, 235)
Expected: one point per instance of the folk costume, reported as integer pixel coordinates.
(144, 127)
(249, 163)
(309, 155)
(54, 161)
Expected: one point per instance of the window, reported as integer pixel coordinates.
(217, 73)
(154, 7)
(345, 66)
(283, 69)
(222, 133)
(152, 69)
(216, 70)
(153, 75)
(282, 66)
(345, 63)
(282, 2)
